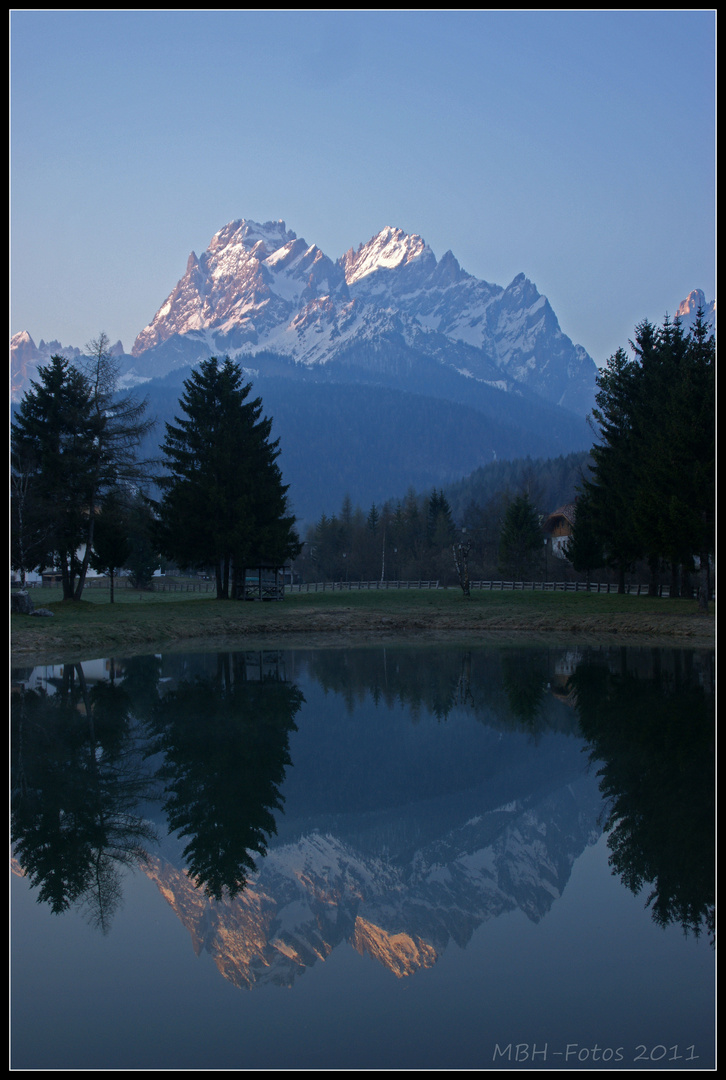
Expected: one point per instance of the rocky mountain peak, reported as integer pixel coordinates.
(688, 308)
(261, 288)
(251, 279)
(695, 299)
(258, 288)
(26, 356)
(390, 249)
(249, 234)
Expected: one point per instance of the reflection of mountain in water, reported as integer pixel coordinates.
(412, 795)
(319, 891)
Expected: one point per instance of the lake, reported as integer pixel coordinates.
(404, 857)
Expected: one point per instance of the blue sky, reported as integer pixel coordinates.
(577, 147)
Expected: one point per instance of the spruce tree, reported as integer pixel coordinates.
(53, 451)
(611, 490)
(111, 544)
(224, 503)
(520, 544)
(119, 428)
(651, 492)
(584, 549)
(74, 438)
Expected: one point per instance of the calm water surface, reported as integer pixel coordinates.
(381, 858)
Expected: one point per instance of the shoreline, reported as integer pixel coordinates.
(92, 630)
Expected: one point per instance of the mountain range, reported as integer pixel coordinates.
(320, 892)
(384, 369)
(401, 863)
(259, 289)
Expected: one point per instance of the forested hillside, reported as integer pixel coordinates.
(413, 538)
(374, 443)
(550, 482)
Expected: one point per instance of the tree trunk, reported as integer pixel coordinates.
(621, 579)
(653, 579)
(67, 576)
(674, 585)
(240, 582)
(87, 554)
(704, 584)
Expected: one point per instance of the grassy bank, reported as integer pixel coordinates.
(150, 621)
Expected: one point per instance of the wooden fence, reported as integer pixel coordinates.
(340, 586)
(122, 583)
(333, 586)
(566, 586)
(491, 586)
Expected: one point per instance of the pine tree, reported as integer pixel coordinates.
(584, 549)
(111, 544)
(224, 503)
(611, 489)
(651, 492)
(119, 428)
(520, 543)
(675, 466)
(53, 450)
(144, 557)
(74, 438)
(373, 519)
(440, 528)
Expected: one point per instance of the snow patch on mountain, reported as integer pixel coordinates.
(389, 304)
(260, 288)
(688, 308)
(390, 249)
(314, 894)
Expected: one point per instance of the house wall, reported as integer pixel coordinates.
(559, 544)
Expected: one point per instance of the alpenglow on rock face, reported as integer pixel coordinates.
(261, 289)
(694, 302)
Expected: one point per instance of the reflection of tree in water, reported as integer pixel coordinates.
(76, 782)
(414, 678)
(653, 738)
(225, 741)
(504, 687)
(524, 677)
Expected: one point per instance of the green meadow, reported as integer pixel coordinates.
(139, 621)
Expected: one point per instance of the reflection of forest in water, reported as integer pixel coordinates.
(205, 738)
(649, 723)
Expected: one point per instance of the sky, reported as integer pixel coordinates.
(577, 147)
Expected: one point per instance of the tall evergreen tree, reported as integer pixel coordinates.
(111, 544)
(584, 549)
(224, 503)
(612, 489)
(520, 544)
(119, 428)
(53, 450)
(676, 464)
(440, 528)
(701, 406)
(74, 438)
(651, 491)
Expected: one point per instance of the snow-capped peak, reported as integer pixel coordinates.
(692, 303)
(688, 309)
(20, 339)
(261, 288)
(248, 234)
(388, 250)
